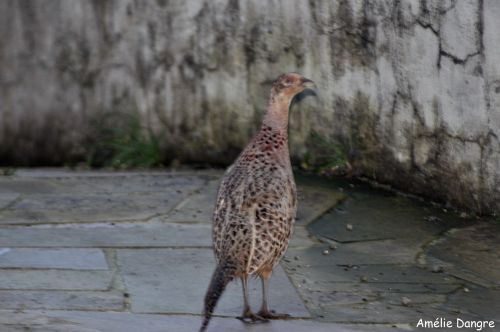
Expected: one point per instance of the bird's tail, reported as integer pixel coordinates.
(223, 274)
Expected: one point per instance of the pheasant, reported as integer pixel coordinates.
(256, 206)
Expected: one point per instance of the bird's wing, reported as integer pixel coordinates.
(274, 219)
(254, 214)
(227, 214)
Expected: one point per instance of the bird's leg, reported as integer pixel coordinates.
(264, 310)
(247, 312)
(248, 316)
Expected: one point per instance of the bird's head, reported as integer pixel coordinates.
(284, 89)
(289, 85)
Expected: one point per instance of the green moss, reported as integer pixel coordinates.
(127, 145)
(324, 156)
(7, 171)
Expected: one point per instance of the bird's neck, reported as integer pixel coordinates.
(273, 135)
(276, 116)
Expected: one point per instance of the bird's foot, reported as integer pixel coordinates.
(271, 314)
(249, 317)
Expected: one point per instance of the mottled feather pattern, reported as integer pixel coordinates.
(256, 204)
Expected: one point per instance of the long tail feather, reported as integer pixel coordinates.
(222, 275)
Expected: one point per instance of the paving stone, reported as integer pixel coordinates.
(67, 300)
(60, 208)
(175, 281)
(90, 208)
(413, 298)
(152, 234)
(61, 172)
(360, 253)
(321, 285)
(302, 238)
(363, 280)
(68, 258)
(471, 277)
(14, 185)
(384, 273)
(130, 183)
(362, 287)
(383, 312)
(198, 207)
(315, 201)
(55, 279)
(474, 252)
(318, 298)
(7, 198)
(355, 298)
(479, 300)
(98, 198)
(103, 181)
(376, 217)
(78, 321)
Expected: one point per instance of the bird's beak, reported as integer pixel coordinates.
(308, 84)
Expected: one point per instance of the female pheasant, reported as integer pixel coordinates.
(256, 205)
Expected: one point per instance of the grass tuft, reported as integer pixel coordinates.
(9, 171)
(324, 156)
(125, 146)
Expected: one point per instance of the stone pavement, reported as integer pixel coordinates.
(130, 251)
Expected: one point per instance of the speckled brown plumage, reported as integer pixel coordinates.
(256, 205)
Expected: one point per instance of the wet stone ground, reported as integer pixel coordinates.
(130, 251)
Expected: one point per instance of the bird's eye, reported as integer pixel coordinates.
(288, 82)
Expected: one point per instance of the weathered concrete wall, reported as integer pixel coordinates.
(413, 87)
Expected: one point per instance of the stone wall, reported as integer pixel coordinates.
(412, 88)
